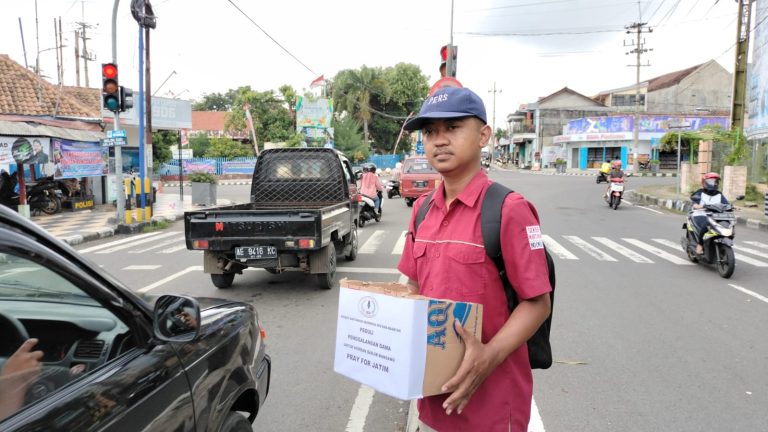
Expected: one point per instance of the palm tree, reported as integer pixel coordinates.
(352, 91)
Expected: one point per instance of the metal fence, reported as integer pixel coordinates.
(218, 165)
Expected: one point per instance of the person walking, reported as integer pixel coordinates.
(445, 258)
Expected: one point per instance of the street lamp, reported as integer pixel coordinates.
(679, 125)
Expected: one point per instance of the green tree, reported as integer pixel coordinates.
(199, 145)
(353, 90)
(290, 96)
(214, 102)
(161, 146)
(227, 148)
(271, 118)
(348, 139)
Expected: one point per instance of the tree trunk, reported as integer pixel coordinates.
(365, 132)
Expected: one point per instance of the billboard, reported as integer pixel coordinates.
(75, 159)
(313, 113)
(25, 150)
(757, 77)
(648, 123)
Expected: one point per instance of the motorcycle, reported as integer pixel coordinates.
(368, 211)
(717, 241)
(41, 196)
(393, 188)
(615, 193)
(601, 177)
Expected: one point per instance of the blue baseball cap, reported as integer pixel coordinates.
(449, 102)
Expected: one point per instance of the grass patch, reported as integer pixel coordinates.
(753, 194)
(156, 225)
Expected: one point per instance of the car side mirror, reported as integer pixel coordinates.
(740, 197)
(176, 319)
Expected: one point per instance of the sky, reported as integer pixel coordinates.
(527, 48)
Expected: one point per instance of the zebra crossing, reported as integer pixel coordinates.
(572, 248)
(563, 247)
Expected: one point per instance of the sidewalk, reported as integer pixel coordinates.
(590, 172)
(666, 197)
(87, 225)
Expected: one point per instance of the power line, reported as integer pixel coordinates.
(527, 4)
(273, 39)
(553, 33)
(669, 13)
(657, 10)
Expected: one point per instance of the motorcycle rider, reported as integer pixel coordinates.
(615, 172)
(371, 185)
(708, 194)
(602, 175)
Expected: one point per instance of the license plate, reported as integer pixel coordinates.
(617, 187)
(255, 252)
(420, 184)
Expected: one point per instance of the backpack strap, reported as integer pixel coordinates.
(422, 213)
(490, 226)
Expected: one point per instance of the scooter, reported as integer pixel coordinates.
(368, 211)
(41, 197)
(718, 239)
(601, 177)
(393, 188)
(615, 193)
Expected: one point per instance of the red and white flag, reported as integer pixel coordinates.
(318, 81)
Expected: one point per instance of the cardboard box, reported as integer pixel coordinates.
(400, 344)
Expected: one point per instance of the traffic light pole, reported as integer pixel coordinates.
(116, 126)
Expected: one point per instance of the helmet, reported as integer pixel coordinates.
(710, 181)
(616, 164)
(371, 168)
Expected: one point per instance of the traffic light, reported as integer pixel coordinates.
(453, 49)
(110, 90)
(126, 99)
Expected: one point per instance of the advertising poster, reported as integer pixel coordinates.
(313, 113)
(652, 124)
(76, 159)
(199, 165)
(25, 150)
(238, 167)
(757, 79)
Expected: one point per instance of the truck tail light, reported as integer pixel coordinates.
(200, 244)
(306, 243)
(263, 333)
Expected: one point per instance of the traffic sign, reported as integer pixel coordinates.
(116, 133)
(113, 142)
(419, 148)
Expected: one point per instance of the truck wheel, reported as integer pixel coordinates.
(223, 280)
(409, 202)
(352, 255)
(272, 270)
(328, 280)
(236, 422)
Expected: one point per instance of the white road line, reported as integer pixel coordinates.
(142, 241)
(748, 292)
(171, 250)
(366, 270)
(161, 244)
(739, 257)
(649, 209)
(751, 251)
(117, 242)
(588, 248)
(555, 248)
(758, 244)
(373, 242)
(360, 409)
(398, 249)
(142, 267)
(629, 253)
(169, 278)
(535, 424)
(658, 252)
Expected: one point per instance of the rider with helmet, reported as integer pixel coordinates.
(708, 194)
(615, 173)
(371, 185)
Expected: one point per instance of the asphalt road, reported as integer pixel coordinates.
(643, 340)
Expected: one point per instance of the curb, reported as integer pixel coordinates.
(685, 206)
(221, 183)
(589, 174)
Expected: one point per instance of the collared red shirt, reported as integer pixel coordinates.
(447, 258)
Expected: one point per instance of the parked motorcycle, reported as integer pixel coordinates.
(393, 188)
(718, 239)
(368, 210)
(41, 196)
(615, 193)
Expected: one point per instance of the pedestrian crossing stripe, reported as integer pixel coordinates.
(557, 249)
(629, 253)
(591, 250)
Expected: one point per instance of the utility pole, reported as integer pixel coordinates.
(77, 57)
(493, 120)
(740, 67)
(449, 56)
(639, 48)
(58, 60)
(61, 52)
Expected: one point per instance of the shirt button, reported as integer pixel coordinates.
(445, 223)
(437, 254)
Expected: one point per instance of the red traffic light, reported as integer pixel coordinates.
(444, 53)
(109, 70)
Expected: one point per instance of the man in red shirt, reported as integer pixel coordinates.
(493, 387)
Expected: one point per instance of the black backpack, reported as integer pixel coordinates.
(539, 349)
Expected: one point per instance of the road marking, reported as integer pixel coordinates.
(373, 242)
(751, 251)
(135, 243)
(557, 249)
(758, 244)
(173, 249)
(117, 242)
(629, 253)
(169, 278)
(748, 292)
(649, 209)
(142, 267)
(658, 252)
(739, 257)
(398, 249)
(588, 248)
(366, 270)
(161, 244)
(360, 409)
(535, 424)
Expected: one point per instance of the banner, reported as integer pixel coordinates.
(625, 123)
(313, 113)
(205, 165)
(757, 77)
(25, 150)
(75, 159)
(238, 167)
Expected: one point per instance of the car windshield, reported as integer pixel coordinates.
(418, 166)
(22, 278)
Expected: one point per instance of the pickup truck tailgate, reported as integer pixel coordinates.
(227, 229)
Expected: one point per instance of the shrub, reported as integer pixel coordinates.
(202, 177)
